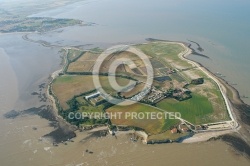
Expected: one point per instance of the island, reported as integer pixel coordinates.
(179, 86)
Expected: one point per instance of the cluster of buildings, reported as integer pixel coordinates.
(155, 95)
(181, 94)
(95, 99)
(181, 128)
(92, 95)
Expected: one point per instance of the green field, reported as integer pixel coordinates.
(193, 110)
(164, 52)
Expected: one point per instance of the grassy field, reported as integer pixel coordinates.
(194, 110)
(73, 54)
(210, 90)
(150, 125)
(165, 53)
(81, 66)
(84, 63)
(67, 86)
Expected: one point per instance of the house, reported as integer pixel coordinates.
(92, 95)
(174, 130)
(183, 128)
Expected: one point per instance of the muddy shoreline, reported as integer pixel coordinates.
(65, 131)
(62, 130)
(239, 145)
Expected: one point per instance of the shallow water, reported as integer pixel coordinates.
(221, 28)
(31, 63)
(23, 66)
